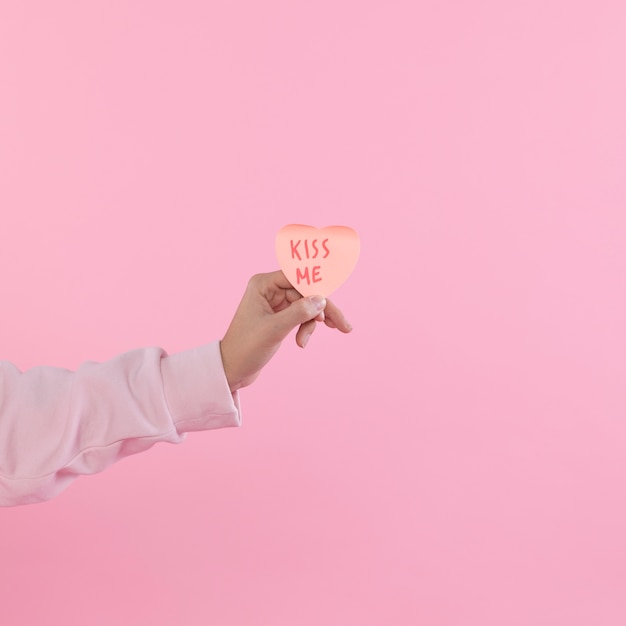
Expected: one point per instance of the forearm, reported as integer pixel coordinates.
(56, 424)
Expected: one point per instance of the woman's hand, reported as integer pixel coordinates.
(269, 310)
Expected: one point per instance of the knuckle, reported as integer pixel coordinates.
(255, 280)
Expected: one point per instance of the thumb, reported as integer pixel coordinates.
(298, 312)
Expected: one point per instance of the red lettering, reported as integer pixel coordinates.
(314, 244)
(302, 275)
(306, 247)
(314, 274)
(325, 248)
(294, 250)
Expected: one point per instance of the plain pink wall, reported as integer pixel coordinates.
(460, 458)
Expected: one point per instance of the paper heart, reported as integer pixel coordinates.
(317, 260)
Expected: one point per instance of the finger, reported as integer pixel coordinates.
(301, 311)
(274, 279)
(276, 289)
(335, 318)
(284, 299)
(292, 295)
(330, 323)
(304, 333)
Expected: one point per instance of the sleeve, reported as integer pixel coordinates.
(56, 424)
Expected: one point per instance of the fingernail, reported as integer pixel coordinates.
(319, 302)
(305, 340)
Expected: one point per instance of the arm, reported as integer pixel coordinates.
(56, 424)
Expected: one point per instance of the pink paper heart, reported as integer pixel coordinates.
(317, 260)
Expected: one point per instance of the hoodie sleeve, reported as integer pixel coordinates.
(56, 424)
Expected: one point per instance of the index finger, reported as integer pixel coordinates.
(335, 318)
(276, 279)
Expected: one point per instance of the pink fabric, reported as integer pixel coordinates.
(56, 424)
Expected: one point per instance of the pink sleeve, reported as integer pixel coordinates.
(56, 424)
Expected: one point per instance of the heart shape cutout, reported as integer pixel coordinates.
(317, 260)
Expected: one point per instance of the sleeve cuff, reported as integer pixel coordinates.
(196, 390)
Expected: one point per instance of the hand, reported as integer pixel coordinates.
(269, 310)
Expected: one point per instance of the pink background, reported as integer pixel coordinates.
(460, 458)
